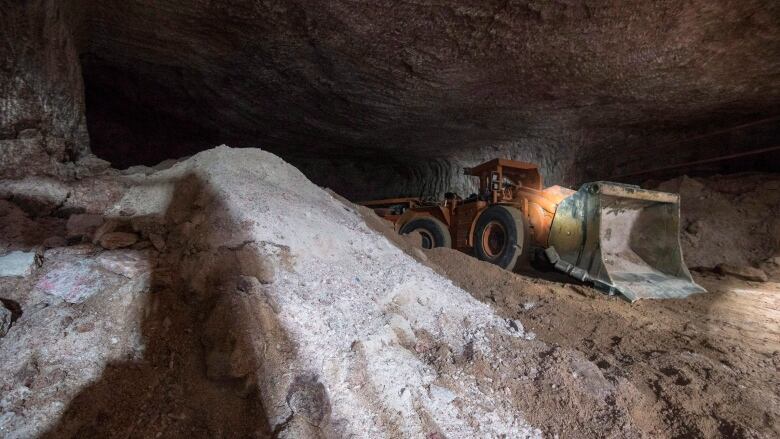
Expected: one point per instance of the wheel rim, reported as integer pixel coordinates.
(493, 239)
(427, 238)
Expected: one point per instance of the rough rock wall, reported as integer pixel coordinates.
(728, 219)
(428, 80)
(718, 146)
(387, 177)
(42, 123)
(582, 86)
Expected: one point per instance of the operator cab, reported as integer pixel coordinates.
(500, 179)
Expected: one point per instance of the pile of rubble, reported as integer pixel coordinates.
(303, 321)
(226, 295)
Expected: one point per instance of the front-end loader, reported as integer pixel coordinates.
(621, 238)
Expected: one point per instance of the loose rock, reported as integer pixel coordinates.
(114, 240)
(107, 227)
(442, 394)
(250, 264)
(141, 245)
(746, 273)
(5, 320)
(37, 196)
(55, 241)
(157, 241)
(128, 263)
(75, 282)
(81, 224)
(17, 264)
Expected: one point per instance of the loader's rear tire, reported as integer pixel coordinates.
(434, 232)
(499, 236)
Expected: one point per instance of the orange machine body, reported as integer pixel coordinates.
(501, 181)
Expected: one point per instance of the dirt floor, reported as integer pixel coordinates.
(218, 322)
(705, 366)
(123, 359)
(192, 304)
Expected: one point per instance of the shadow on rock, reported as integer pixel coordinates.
(201, 324)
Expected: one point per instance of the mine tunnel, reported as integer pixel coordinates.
(389, 219)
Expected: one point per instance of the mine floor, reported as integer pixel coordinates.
(185, 303)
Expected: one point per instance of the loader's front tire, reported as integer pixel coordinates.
(434, 232)
(499, 236)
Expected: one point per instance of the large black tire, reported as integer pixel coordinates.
(499, 236)
(434, 232)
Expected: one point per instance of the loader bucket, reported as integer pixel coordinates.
(624, 239)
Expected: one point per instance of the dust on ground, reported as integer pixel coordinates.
(235, 313)
(108, 343)
(705, 366)
(197, 305)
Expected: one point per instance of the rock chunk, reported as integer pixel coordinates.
(83, 224)
(128, 263)
(76, 281)
(17, 264)
(442, 394)
(114, 240)
(403, 329)
(37, 196)
(745, 273)
(250, 264)
(157, 241)
(107, 227)
(308, 398)
(55, 241)
(5, 320)
(771, 263)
